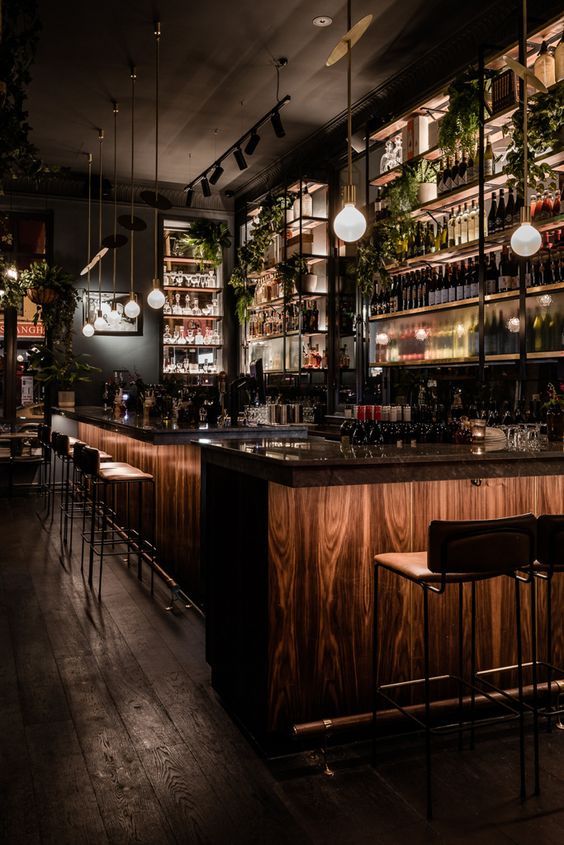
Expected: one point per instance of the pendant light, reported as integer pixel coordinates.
(525, 240)
(99, 323)
(132, 309)
(349, 224)
(114, 316)
(156, 298)
(88, 328)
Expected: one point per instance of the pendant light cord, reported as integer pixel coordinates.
(101, 140)
(349, 95)
(132, 234)
(114, 265)
(89, 238)
(525, 115)
(155, 218)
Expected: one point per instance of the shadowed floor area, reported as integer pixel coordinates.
(110, 732)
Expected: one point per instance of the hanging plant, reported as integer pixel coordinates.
(401, 194)
(205, 239)
(375, 253)
(268, 223)
(290, 272)
(545, 121)
(459, 127)
(54, 291)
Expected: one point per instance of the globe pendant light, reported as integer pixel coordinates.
(350, 224)
(114, 316)
(156, 298)
(100, 324)
(88, 328)
(132, 309)
(525, 240)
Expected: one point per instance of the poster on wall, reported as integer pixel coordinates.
(104, 302)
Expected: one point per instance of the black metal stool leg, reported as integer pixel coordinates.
(460, 662)
(427, 703)
(128, 524)
(73, 495)
(535, 683)
(139, 528)
(549, 645)
(154, 538)
(66, 503)
(520, 685)
(375, 659)
(85, 499)
(102, 544)
(472, 661)
(53, 486)
(92, 530)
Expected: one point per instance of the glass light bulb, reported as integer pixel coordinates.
(526, 240)
(349, 224)
(114, 316)
(156, 298)
(132, 309)
(99, 323)
(88, 330)
(513, 324)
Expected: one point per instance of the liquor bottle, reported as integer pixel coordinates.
(559, 60)
(463, 170)
(444, 234)
(473, 272)
(500, 213)
(429, 241)
(447, 177)
(544, 67)
(438, 237)
(458, 226)
(452, 284)
(489, 168)
(492, 216)
(473, 222)
(504, 272)
(547, 205)
(538, 204)
(467, 281)
(460, 282)
(454, 172)
(464, 225)
(431, 288)
(471, 168)
(513, 268)
(451, 225)
(510, 210)
(492, 276)
(307, 203)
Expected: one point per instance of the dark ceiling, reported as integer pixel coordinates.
(217, 74)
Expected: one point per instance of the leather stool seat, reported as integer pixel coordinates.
(413, 566)
(122, 472)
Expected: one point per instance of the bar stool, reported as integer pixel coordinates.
(63, 445)
(44, 436)
(104, 477)
(550, 561)
(79, 499)
(459, 552)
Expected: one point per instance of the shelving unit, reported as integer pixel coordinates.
(192, 334)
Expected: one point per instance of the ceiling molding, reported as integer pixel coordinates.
(326, 146)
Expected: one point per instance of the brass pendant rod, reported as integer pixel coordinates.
(349, 95)
(132, 235)
(101, 140)
(114, 265)
(155, 214)
(89, 238)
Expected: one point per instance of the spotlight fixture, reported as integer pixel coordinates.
(322, 20)
(240, 158)
(217, 173)
(252, 143)
(276, 121)
(205, 185)
(189, 197)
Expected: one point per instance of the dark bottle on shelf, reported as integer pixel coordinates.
(452, 283)
(504, 283)
(447, 177)
(492, 216)
(510, 210)
(467, 281)
(455, 172)
(473, 272)
(500, 213)
(462, 170)
(460, 281)
(492, 276)
(431, 288)
(444, 287)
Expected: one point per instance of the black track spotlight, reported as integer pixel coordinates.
(252, 143)
(205, 185)
(189, 197)
(217, 173)
(276, 121)
(240, 158)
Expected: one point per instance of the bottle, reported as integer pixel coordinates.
(545, 66)
(463, 170)
(451, 230)
(492, 276)
(464, 225)
(510, 210)
(504, 272)
(453, 284)
(473, 272)
(431, 288)
(445, 289)
(473, 222)
(500, 213)
(455, 172)
(447, 177)
(307, 203)
(458, 227)
(467, 282)
(492, 216)
(489, 167)
(559, 60)
(444, 233)
(461, 277)
(513, 267)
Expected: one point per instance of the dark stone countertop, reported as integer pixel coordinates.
(160, 433)
(318, 463)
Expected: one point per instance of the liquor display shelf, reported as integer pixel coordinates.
(492, 243)
(505, 357)
(193, 345)
(192, 290)
(305, 224)
(182, 259)
(280, 300)
(310, 258)
(292, 333)
(545, 355)
(193, 316)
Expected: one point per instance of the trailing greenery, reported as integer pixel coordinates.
(250, 255)
(545, 121)
(401, 194)
(290, 272)
(425, 171)
(11, 285)
(59, 366)
(57, 317)
(18, 43)
(206, 239)
(459, 127)
(375, 252)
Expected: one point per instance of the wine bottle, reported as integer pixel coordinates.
(451, 230)
(461, 276)
(510, 210)
(491, 276)
(467, 281)
(454, 172)
(504, 271)
(447, 178)
(464, 225)
(492, 216)
(474, 277)
(489, 168)
(432, 287)
(462, 170)
(453, 283)
(500, 213)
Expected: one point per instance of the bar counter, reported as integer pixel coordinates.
(290, 573)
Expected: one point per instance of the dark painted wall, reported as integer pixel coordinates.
(137, 354)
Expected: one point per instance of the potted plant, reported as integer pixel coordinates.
(62, 368)
(554, 415)
(205, 239)
(295, 276)
(53, 291)
(459, 126)
(426, 176)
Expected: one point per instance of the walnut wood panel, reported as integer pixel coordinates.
(550, 499)
(176, 469)
(321, 545)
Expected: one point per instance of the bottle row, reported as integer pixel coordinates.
(280, 319)
(190, 306)
(312, 358)
(460, 280)
(185, 366)
(189, 280)
(198, 336)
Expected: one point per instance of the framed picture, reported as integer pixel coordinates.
(125, 325)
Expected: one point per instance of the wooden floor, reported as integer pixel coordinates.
(110, 732)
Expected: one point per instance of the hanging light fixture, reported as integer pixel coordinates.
(349, 224)
(114, 316)
(525, 240)
(252, 143)
(205, 186)
(132, 309)
(88, 328)
(156, 298)
(240, 158)
(99, 323)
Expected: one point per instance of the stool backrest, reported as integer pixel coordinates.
(62, 445)
(550, 540)
(89, 461)
(482, 545)
(54, 436)
(77, 453)
(43, 434)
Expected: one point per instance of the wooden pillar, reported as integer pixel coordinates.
(10, 363)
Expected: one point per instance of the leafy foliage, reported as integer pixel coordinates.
(206, 239)
(375, 252)
(11, 285)
(459, 126)
(401, 194)
(57, 317)
(59, 366)
(545, 120)
(290, 272)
